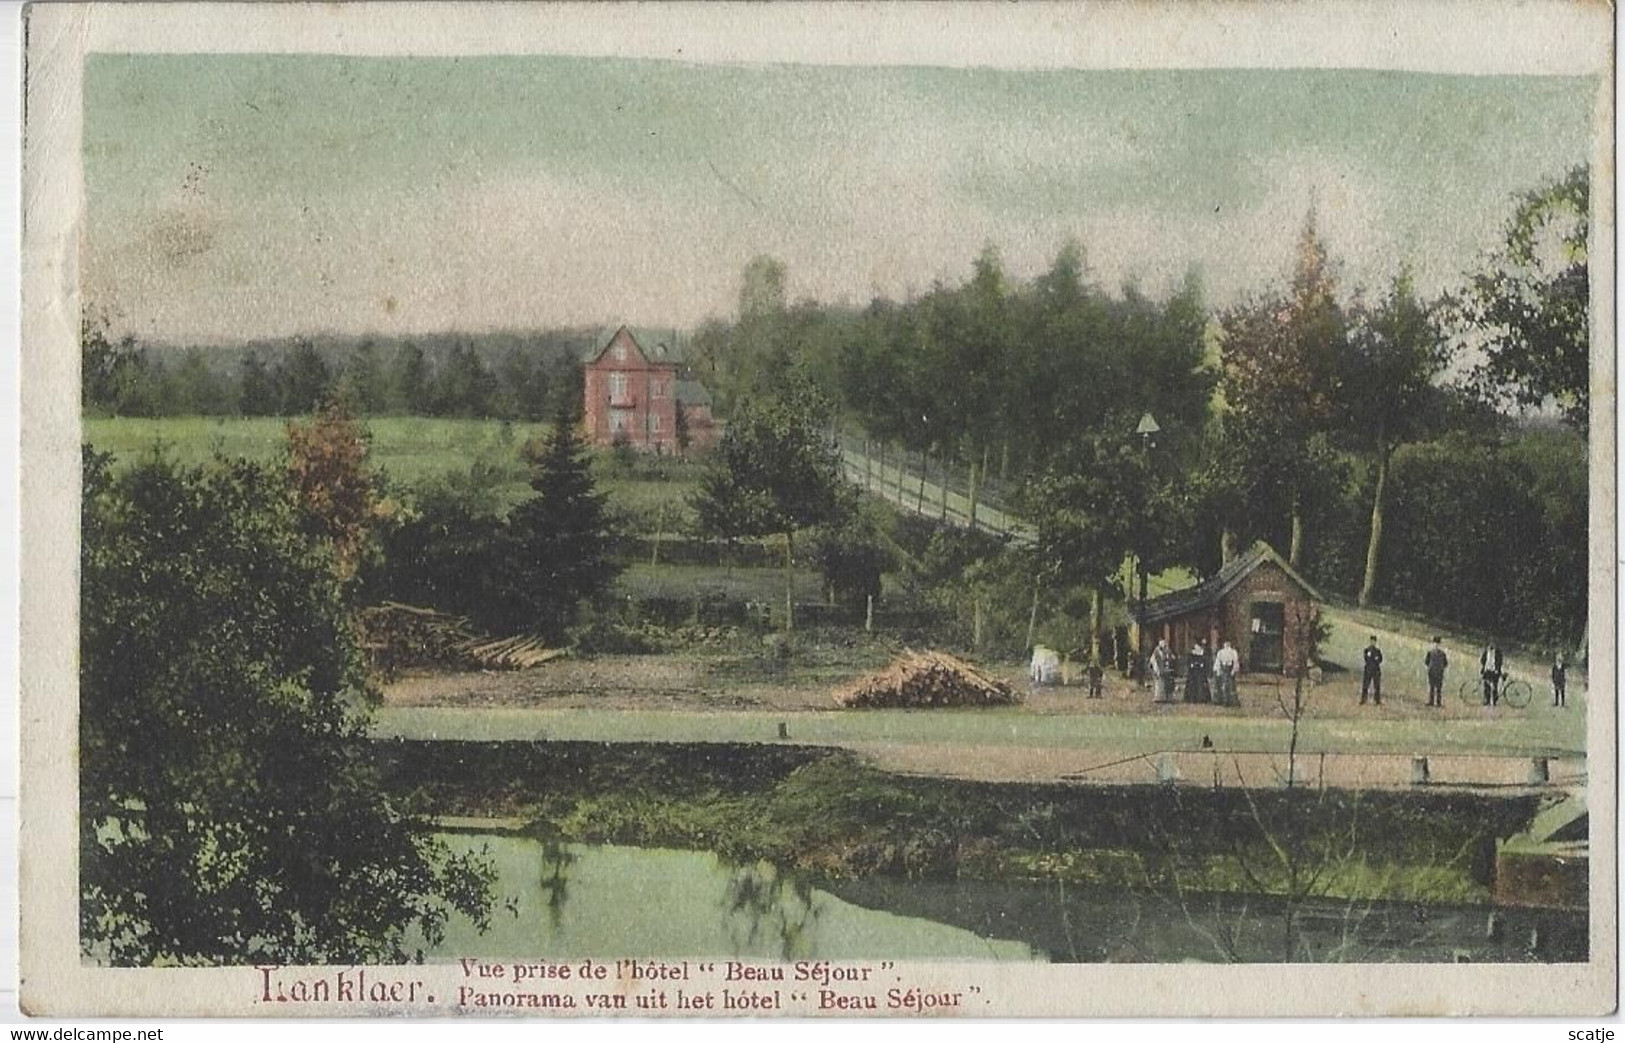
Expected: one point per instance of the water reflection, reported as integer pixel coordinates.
(757, 904)
(604, 901)
(571, 900)
(556, 860)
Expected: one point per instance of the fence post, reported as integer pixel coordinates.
(1419, 771)
(869, 614)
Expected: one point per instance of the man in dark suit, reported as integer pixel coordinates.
(1436, 661)
(1371, 680)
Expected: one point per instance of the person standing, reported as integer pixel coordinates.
(1371, 679)
(1489, 668)
(1162, 673)
(1196, 667)
(1436, 661)
(1095, 675)
(1226, 663)
(1559, 681)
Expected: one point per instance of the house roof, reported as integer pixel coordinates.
(693, 393)
(655, 345)
(1216, 586)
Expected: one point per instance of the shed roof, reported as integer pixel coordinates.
(1208, 592)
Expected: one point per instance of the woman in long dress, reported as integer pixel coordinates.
(1196, 690)
(1162, 673)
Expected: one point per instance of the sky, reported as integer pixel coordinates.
(230, 197)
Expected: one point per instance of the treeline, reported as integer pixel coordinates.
(511, 376)
(1398, 449)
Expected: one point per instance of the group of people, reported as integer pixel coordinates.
(1205, 681)
(1491, 670)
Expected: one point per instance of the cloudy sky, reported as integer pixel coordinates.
(233, 196)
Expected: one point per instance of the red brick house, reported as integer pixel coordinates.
(1256, 601)
(633, 396)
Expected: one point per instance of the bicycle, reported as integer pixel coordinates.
(1515, 693)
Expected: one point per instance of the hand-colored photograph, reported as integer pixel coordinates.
(795, 517)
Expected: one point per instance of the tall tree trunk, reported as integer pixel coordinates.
(1295, 552)
(1004, 461)
(789, 581)
(925, 464)
(1368, 585)
(947, 472)
(1096, 611)
(972, 456)
(1227, 545)
(1032, 617)
(660, 532)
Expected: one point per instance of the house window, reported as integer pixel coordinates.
(620, 421)
(617, 385)
(620, 353)
(657, 388)
(654, 423)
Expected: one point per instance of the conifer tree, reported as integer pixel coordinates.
(562, 534)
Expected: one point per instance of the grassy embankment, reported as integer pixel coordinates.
(828, 813)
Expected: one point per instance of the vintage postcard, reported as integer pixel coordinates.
(818, 510)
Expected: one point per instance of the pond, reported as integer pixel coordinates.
(560, 901)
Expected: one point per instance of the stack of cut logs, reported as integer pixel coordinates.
(397, 636)
(924, 679)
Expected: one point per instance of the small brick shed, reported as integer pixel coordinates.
(1256, 601)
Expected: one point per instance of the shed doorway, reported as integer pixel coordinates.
(1265, 653)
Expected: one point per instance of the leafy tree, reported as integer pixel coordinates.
(364, 382)
(1388, 397)
(257, 394)
(852, 553)
(303, 379)
(1532, 302)
(100, 362)
(327, 469)
(680, 430)
(749, 360)
(413, 393)
(562, 535)
(774, 472)
(231, 810)
(1461, 525)
(195, 387)
(1280, 357)
(464, 386)
(1089, 508)
(451, 551)
(522, 387)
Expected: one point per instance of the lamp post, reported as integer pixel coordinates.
(1147, 432)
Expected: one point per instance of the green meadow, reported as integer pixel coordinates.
(410, 451)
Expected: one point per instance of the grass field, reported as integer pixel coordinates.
(965, 728)
(410, 451)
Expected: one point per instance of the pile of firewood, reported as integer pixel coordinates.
(398, 636)
(925, 679)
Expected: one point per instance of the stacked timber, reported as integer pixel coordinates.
(926, 679)
(508, 653)
(398, 636)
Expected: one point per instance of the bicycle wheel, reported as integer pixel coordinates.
(1472, 691)
(1517, 694)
